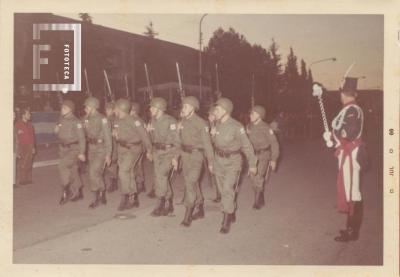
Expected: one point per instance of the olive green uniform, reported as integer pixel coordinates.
(165, 139)
(230, 139)
(111, 172)
(72, 144)
(139, 168)
(266, 148)
(98, 135)
(195, 143)
(131, 137)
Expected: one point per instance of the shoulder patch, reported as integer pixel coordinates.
(104, 120)
(137, 123)
(79, 126)
(172, 126)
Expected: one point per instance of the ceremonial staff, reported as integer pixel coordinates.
(178, 72)
(87, 84)
(108, 86)
(317, 92)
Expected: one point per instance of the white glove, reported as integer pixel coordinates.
(327, 136)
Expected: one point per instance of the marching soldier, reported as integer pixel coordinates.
(211, 175)
(266, 149)
(72, 150)
(195, 143)
(131, 137)
(139, 168)
(98, 135)
(165, 139)
(230, 140)
(111, 172)
(347, 131)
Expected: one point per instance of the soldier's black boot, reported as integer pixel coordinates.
(103, 198)
(64, 196)
(188, 217)
(152, 194)
(78, 196)
(170, 208)
(135, 200)
(159, 210)
(123, 204)
(353, 225)
(96, 200)
(199, 213)
(226, 224)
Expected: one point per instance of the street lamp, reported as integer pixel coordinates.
(323, 60)
(200, 61)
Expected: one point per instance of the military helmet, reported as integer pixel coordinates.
(92, 102)
(225, 103)
(69, 104)
(110, 105)
(192, 101)
(123, 105)
(259, 109)
(135, 106)
(159, 103)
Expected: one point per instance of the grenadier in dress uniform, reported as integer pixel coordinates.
(98, 136)
(131, 137)
(195, 144)
(139, 168)
(71, 135)
(111, 172)
(164, 136)
(350, 151)
(211, 175)
(266, 148)
(230, 140)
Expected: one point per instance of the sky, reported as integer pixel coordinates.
(348, 38)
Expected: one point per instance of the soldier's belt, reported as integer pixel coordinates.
(226, 154)
(162, 146)
(190, 148)
(261, 150)
(68, 145)
(94, 141)
(128, 145)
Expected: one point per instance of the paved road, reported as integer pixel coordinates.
(297, 225)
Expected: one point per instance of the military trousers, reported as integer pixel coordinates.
(127, 160)
(162, 173)
(96, 157)
(68, 168)
(24, 163)
(139, 169)
(227, 172)
(259, 179)
(192, 164)
(111, 172)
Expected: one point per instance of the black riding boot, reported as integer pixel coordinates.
(226, 224)
(353, 224)
(188, 217)
(199, 213)
(124, 202)
(160, 209)
(96, 200)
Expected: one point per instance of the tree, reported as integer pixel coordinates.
(85, 17)
(150, 31)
